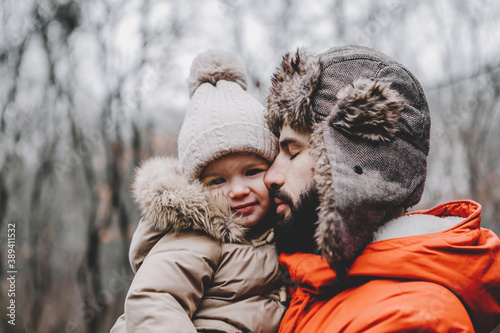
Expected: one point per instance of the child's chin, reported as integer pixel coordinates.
(249, 221)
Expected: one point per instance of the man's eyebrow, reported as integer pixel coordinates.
(284, 143)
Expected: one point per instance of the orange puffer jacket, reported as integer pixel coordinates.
(445, 281)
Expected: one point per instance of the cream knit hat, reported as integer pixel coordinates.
(222, 117)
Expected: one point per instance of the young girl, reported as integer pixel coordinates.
(203, 252)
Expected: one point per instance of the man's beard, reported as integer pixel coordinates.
(295, 233)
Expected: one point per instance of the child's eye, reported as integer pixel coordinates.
(253, 172)
(292, 156)
(216, 181)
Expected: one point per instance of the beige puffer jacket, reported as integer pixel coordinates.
(194, 270)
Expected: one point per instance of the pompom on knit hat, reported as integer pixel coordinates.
(222, 117)
(370, 127)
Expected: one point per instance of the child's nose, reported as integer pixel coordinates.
(238, 190)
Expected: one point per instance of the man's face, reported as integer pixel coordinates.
(291, 173)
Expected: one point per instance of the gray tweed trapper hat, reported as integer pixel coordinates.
(370, 122)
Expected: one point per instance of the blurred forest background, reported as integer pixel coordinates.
(89, 88)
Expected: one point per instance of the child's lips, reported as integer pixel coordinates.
(245, 208)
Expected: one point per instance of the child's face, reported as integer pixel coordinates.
(240, 178)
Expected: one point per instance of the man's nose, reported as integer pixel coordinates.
(275, 176)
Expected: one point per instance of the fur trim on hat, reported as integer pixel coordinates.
(172, 203)
(293, 84)
(339, 239)
(215, 65)
(325, 232)
(368, 109)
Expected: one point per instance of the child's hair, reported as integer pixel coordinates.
(222, 117)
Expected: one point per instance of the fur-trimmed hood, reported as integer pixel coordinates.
(170, 202)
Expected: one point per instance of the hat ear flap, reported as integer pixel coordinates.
(369, 109)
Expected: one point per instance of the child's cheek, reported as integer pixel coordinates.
(219, 193)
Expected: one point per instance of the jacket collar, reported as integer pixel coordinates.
(415, 225)
(462, 258)
(391, 237)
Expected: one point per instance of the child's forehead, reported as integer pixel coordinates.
(235, 160)
(239, 158)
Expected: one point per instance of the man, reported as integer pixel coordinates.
(353, 127)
